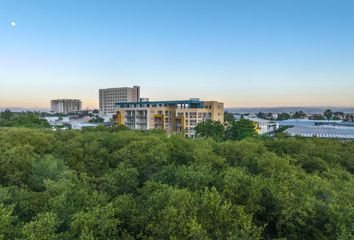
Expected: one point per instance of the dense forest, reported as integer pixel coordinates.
(121, 184)
(23, 119)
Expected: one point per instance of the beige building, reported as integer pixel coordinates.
(172, 116)
(65, 106)
(110, 96)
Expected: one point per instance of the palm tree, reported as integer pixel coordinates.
(328, 114)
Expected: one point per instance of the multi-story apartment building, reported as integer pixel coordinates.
(110, 96)
(173, 116)
(65, 105)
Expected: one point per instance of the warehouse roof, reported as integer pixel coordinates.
(322, 131)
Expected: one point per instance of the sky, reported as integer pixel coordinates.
(245, 53)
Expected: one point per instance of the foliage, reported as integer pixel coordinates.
(283, 116)
(299, 115)
(96, 120)
(267, 116)
(113, 183)
(317, 117)
(23, 119)
(211, 129)
(228, 117)
(235, 130)
(6, 115)
(261, 115)
(8, 228)
(42, 227)
(241, 129)
(328, 114)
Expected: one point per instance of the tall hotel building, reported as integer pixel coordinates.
(110, 96)
(65, 106)
(171, 116)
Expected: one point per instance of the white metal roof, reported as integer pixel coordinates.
(322, 132)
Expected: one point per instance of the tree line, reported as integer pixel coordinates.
(230, 130)
(120, 184)
(22, 119)
(328, 114)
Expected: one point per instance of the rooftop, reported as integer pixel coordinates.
(193, 103)
(306, 122)
(322, 131)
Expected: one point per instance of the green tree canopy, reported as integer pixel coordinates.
(299, 115)
(23, 119)
(124, 184)
(42, 227)
(6, 115)
(211, 129)
(328, 114)
(228, 117)
(241, 129)
(283, 116)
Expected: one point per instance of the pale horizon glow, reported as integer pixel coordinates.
(244, 53)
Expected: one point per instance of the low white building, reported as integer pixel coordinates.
(79, 126)
(53, 121)
(264, 126)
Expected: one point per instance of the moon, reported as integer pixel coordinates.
(13, 24)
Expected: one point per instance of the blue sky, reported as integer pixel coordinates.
(242, 52)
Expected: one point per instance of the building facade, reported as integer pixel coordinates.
(172, 116)
(65, 106)
(263, 126)
(110, 96)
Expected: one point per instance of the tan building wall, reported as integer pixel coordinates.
(110, 96)
(171, 118)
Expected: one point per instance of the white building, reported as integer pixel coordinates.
(53, 121)
(263, 126)
(110, 96)
(79, 126)
(65, 105)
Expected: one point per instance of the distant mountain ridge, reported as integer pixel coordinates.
(314, 110)
(23, 109)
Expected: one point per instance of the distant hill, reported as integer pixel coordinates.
(232, 109)
(290, 109)
(22, 109)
